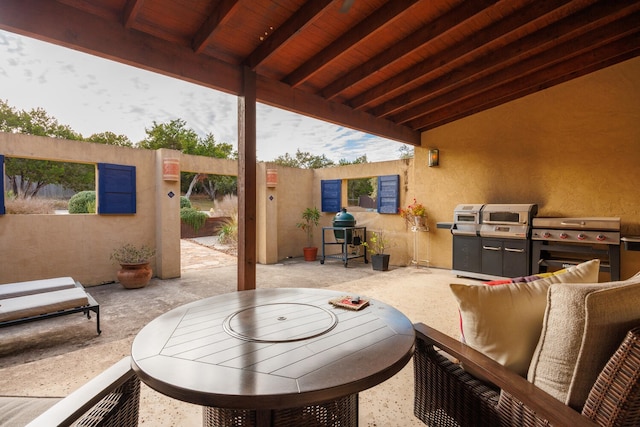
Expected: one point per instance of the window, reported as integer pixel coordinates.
(384, 190)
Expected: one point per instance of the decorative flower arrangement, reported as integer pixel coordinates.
(130, 254)
(414, 210)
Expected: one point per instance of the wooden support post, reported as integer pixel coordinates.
(247, 182)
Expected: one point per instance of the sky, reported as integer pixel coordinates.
(94, 95)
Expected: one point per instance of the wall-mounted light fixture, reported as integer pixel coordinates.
(434, 157)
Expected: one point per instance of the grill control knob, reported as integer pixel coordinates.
(601, 237)
(546, 234)
(582, 236)
(563, 235)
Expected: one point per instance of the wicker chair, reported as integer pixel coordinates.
(110, 399)
(448, 395)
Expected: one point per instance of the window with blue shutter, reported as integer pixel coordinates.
(388, 194)
(116, 189)
(331, 195)
(2, 209)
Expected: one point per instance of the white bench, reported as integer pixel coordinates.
(23, 302)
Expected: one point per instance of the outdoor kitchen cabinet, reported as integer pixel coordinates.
(467, 253)
(505, 257)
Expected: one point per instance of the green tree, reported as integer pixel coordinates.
(304, 160)
(176, 136)
(27, 176)
(110, 138)
(173, 135)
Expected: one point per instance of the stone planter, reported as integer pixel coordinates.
(134, 276)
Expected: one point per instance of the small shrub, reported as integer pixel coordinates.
(130, 254)
(193, 217)
(229, 231)
(185, 203)
(79, 202)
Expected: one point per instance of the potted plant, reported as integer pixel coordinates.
(376, 246)
(134, 260)
(310, 220)
(415, 214)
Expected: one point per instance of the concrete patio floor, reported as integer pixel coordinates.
(54, 357)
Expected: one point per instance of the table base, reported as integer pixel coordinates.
(341, 412)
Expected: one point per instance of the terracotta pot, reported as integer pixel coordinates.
(133, 276)
(310, 254)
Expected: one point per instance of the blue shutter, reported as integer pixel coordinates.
(116, 189)
(331, 195)
(2, 209)
(388, 194)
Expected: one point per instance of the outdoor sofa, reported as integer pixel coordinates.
(29, 301)
(110, 399)
(582, 370)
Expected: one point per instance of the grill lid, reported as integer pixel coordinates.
(586, 223)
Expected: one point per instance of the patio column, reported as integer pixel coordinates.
(247, 182)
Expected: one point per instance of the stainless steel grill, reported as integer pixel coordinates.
(466, 219)
(511, 221)
(562, 242)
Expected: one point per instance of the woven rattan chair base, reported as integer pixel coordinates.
(342, 412)
(119, 408)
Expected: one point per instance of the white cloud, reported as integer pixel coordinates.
(93, 95)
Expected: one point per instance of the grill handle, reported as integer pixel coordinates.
(514, 250)
(582, 223)
(491, 248)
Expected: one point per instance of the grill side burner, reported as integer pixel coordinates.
(562, 242)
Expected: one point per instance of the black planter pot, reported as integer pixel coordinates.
(380, 262)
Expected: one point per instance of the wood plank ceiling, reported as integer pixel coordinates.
(386, 67)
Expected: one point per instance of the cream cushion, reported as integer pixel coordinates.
(583, 326)
(43, 303)
(504, 321)
(20, 289)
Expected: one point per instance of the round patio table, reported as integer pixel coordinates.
(273, 356)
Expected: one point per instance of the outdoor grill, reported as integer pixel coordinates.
(492, 240)
(562, 242)
(466, 220)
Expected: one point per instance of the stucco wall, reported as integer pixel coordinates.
(573, 149)
(41, 246)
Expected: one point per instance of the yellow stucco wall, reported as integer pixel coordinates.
(573, 149)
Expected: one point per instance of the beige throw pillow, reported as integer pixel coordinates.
(583, 326)
(504, 321)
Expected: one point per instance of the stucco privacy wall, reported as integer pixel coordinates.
(394, 227)
(573, 149)
(40, 246)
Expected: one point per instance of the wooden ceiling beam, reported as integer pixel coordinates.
(457, 53)
(74, 29)
(586, 63)
(294, 25)
(214, 21)
(377, 21)
(406, 46)
(130, 12)
(464, 72)
(564, 41)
